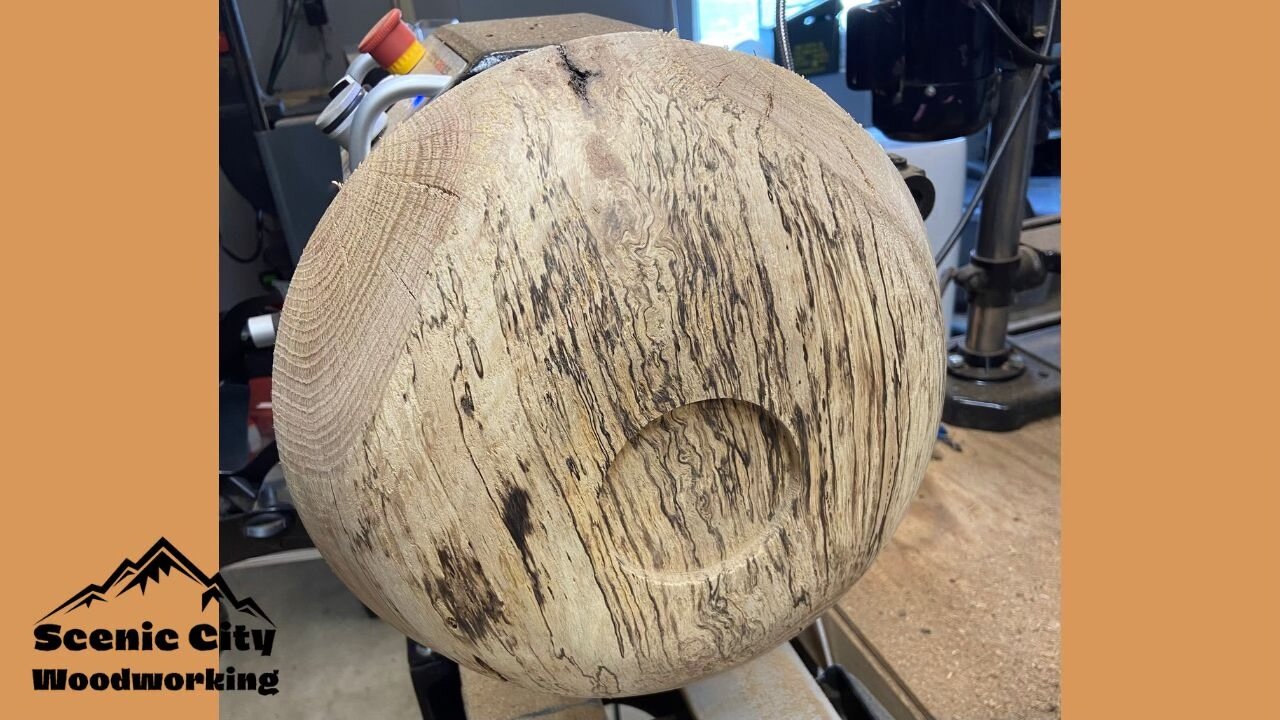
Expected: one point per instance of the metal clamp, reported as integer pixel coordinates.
(379, 99)
(355, 73)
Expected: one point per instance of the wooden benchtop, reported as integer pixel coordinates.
(960, 612)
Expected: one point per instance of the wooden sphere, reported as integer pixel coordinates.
(612, 367)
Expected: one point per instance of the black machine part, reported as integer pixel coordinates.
(993, 383)
(315, 13)
(921, 187)
(437, 684)
(1002, 405)
(932, 65)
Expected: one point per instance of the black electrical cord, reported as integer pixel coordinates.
(1019, 48)
(288, 14)
(784, 39)
(284, 31)
(327, 57)
(285, 45)
(242, 259)
(992, 161)
(1032, 90)
(288, 24)
(258, 244)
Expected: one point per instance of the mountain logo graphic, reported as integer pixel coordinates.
(161, 561)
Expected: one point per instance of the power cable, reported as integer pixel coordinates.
(1032, 90)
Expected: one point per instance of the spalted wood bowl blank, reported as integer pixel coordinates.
(612, 367)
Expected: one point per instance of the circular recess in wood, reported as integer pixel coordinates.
(613, 366)
(699, 491)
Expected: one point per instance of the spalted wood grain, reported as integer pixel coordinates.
(613, 366)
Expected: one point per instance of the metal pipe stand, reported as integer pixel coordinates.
(990, 384)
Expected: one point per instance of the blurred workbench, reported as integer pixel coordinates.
(958, 618)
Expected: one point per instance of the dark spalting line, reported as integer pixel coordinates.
(466, 402)
(364, 533)
(515, 515)
(476, 359)
(487, 668)
(601, 671)
(466, 593)
(595, 680)
(579, 77)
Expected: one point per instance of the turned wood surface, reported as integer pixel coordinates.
(613, 366)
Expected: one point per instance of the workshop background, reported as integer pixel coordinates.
(950, 611)
(318, 54)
